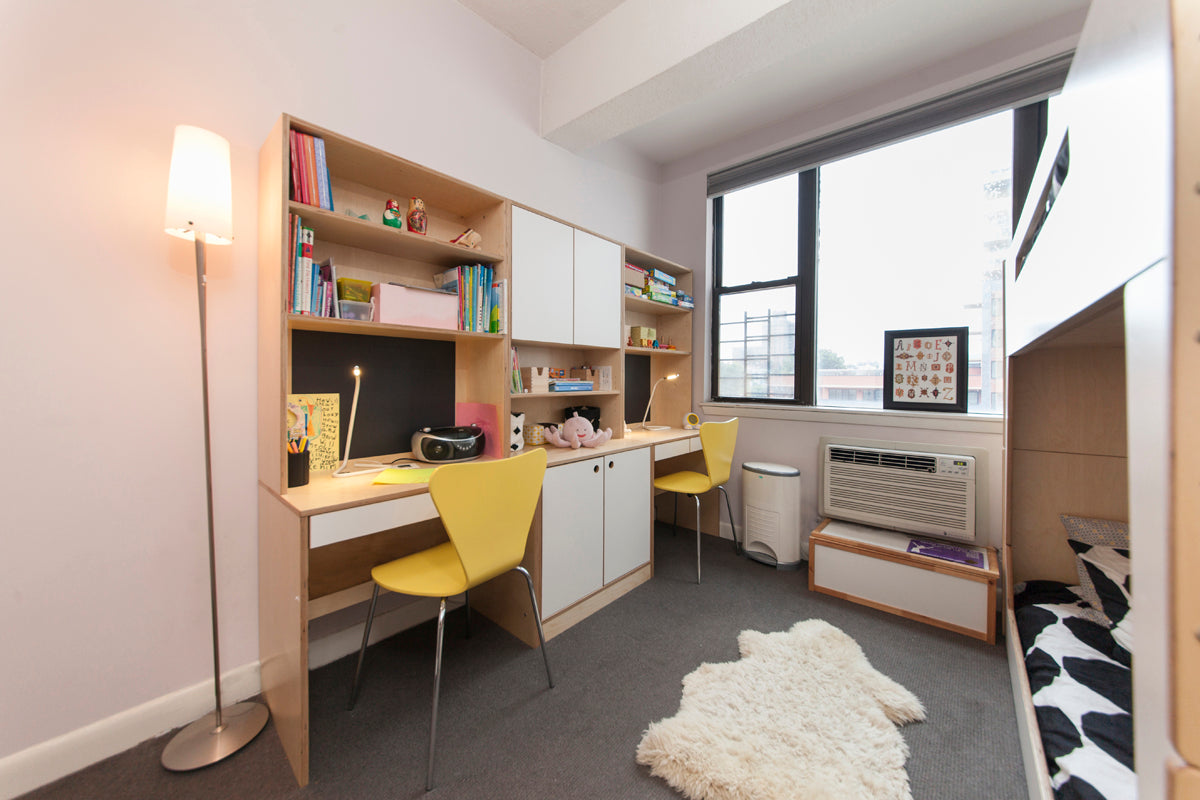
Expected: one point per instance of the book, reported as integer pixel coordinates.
(564, 385)
(315, 417)
(947, 552)
(326, 189)
(303, 272)
(662, 277)
(294, 144)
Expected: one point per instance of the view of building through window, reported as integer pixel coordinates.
(912, 235)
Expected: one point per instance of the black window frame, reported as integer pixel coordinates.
(1024, 92)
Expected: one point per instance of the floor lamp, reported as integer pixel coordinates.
(646, 416)
(199, 208)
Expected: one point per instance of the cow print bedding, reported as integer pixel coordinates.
(1082, 687)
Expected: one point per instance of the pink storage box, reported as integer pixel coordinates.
(410, 305)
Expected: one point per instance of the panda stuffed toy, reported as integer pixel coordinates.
(516, 438)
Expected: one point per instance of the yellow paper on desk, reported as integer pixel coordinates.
(394, 476)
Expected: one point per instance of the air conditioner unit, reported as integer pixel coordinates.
(905, 490)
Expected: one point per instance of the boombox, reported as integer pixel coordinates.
(459, 443)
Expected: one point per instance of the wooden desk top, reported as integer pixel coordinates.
(325, 493)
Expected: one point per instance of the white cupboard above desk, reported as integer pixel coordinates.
(566, 284)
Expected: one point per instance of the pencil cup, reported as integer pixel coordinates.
(297, 469)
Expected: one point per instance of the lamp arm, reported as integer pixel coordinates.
(340, 471)
(650, 402)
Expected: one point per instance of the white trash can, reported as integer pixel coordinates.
(771, 514)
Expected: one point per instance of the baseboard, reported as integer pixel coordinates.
(56, 758)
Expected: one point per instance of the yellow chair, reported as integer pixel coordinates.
(487, 508)
(718, 440)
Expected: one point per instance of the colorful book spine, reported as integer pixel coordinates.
(297, 186)
(324, 187)
(303, 276)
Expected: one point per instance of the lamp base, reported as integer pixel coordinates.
(656, 427)
(202, 743)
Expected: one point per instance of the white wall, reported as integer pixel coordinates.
(103, 565)
(682, 233)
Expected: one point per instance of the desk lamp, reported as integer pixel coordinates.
(199, 209)
(372, 466)
(646, 416)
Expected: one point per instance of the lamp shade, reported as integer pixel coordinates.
(199, 192)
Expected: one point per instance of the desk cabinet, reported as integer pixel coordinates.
(595, 525)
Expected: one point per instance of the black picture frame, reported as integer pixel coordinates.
(919, 363)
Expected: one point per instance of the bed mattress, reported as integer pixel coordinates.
(1082, 686)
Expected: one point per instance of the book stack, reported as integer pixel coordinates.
(660, 287)
(570, 385)
(482, 298)
(312, 286)
(310, 172)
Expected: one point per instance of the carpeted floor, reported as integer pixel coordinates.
(503, 734)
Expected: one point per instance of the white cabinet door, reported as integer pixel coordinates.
(572, 533)
(542, 278)
(627, 492)
(597, 291)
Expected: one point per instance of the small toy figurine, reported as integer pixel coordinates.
(575, 432)
(392, 216)
(468, 238)
(416, 215)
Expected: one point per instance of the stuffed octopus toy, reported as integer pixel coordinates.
(575, 432)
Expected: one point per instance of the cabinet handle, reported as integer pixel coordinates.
(610, 465)
(596, 468)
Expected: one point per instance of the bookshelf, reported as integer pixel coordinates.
(362, 179)
(674, 326)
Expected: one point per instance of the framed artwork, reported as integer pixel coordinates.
(925, 369)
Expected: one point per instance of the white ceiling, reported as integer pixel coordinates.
(629, 70)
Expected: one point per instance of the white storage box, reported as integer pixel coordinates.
(412, 305)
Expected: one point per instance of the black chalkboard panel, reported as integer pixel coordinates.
(407, 384)
(637, 387)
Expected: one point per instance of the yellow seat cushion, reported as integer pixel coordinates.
(436, 572)
(684, 482)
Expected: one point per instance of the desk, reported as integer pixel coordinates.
(318, 543)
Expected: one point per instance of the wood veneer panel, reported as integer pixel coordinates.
(1185, 783)
(272, 299)
(345, 564)
(1069, 400)
(1185, 371)
(283, 624)
(1045, 485)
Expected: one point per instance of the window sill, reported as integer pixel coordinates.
(876, 418)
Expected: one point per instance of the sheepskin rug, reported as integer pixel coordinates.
(803, 714)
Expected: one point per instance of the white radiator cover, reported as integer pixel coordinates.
(899, 488)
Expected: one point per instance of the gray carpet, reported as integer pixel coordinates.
(503, 734)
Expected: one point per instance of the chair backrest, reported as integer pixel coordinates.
(718, 440)
(487, 508)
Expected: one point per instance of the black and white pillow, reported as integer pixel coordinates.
(1102, 560)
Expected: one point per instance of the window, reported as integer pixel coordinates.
(904, 223)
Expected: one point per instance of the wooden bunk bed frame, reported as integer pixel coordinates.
(1103, 341)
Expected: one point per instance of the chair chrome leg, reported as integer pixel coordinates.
(675, 514)
(467, 605)
(737, 547)
(363, 650)
(537, 618)
(437, 685)
(697, 497)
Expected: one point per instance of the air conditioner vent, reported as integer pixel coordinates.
(917, 462)
(903, 490)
